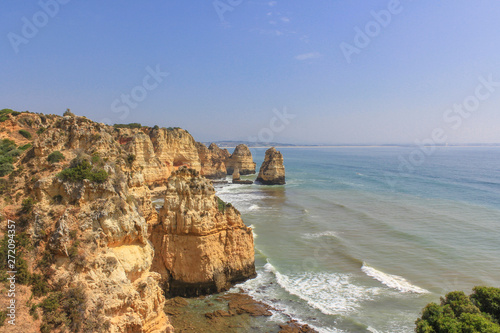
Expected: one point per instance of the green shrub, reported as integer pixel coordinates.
(25, 147)
(7, 145)
(41, 130)
(131, 125)
(81, 169)
(3, 316)
(14, 152)
(5, 169)
(95, 158)
(6, 158)
(25, 133)
(27, 205)
(55, 157)
(487, 300)
(33, 311)
(221, 205)
(39, 286)
(459, 313)
(131, 158)
(63, 309)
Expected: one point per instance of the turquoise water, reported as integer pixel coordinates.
(352, 244)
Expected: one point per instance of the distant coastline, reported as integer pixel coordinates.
(233, 144)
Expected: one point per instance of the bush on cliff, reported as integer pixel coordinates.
(459, 313)
(4, 114)
(131, 125)
(63, 309)
(81, 169)
(55, 157)
(25, 133)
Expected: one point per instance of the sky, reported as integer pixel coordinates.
(312, 72)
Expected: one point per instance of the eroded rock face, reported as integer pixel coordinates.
(241, 159)
(202, 244)
(100, 246)
(105, 239)
(212, 161)
(272, 170)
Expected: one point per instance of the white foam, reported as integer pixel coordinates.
(321, 234)
(331, 293)
(392, 281)
(254, 207)
(261, 288)
(253, 231)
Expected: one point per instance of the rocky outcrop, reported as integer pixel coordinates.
(272, 170)
(202, 244)
(101, 238)
(212, 161)
(241, 159)
(236, 174)
(237, 180)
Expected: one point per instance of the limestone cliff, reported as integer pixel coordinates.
(212, 161)
(203, 245)
(81, 194)
(272, 170)
(241, 159)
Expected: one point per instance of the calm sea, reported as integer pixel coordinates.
(356, 243)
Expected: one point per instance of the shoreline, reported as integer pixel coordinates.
(227, 312)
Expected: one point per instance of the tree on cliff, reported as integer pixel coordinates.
(459, 313)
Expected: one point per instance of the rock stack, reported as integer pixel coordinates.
(272, 170)
(237, 180)
(241, 159)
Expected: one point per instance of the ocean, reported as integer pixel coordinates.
(358, 242)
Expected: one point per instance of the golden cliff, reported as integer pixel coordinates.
(272, 170)
(213, 161)
(204, 246)
(242, 160)
(93, 231)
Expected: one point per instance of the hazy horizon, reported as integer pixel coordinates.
(325, 72)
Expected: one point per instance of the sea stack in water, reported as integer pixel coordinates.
(241, 159)
(236, 174)
(237, 180)
(201, 244)
(272, 170)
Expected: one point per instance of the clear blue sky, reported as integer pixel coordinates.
(226, 77)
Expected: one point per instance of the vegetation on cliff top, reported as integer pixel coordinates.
(5, 112)
(459, 313)
(131, 125)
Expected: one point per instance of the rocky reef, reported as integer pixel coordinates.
(241, 159)
(272, 170)
(94, 251)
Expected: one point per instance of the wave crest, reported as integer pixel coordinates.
(392, 281)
